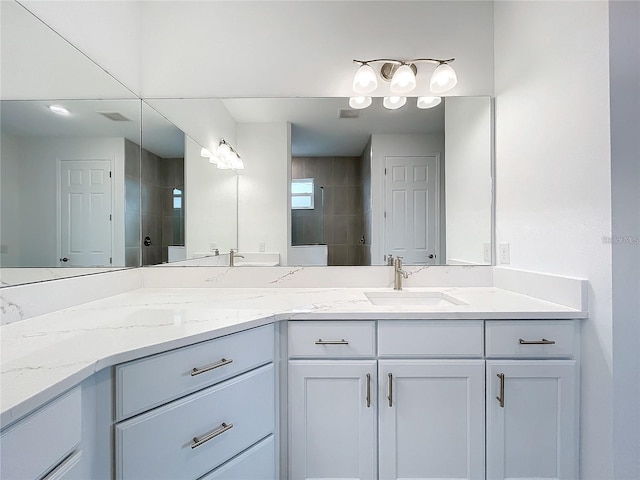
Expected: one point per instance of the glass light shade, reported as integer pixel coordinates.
(223, 164)
(223, 150)
(235, 161)
(205, 153)
(444, 78)
(365, 80)
(214, 159)
(428, 102)
(393, 103)
(359, 102)
(404, 80)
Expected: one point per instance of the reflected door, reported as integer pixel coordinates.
(85, 213)
(411, 209)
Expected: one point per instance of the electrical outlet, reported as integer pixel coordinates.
(487, 252)
(505, 255)
(261, 247)
(213, 246)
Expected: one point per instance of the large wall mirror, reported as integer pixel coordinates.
(69, 174)
(324, 184)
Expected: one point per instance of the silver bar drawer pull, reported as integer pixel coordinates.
(500, 398)
(213, 366)
(544, 341)
(331, 342)
(218, 431)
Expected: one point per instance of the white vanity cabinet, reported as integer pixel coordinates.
(420, 416)
(182, 433)
(332, 409)
(532, 399)
(45, 444)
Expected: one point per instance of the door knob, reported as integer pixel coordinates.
(64, 259)
(147, 241)
(431, 255)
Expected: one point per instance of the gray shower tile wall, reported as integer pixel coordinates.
(163, 224)
(337, 219)
(132, 217)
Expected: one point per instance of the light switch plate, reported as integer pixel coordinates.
(505, 255)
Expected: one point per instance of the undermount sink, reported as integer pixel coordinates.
(401, 297)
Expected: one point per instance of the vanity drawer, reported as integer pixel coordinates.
(35, 445)
(155, 380)
(532, 339)
(161, 444)
(257, 463)
(430, 338)
(336, 339)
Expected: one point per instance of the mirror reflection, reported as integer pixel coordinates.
(327, 185)
(70, 187)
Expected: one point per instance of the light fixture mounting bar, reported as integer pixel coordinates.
(404, 62)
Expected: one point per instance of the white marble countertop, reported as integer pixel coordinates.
(45, 355)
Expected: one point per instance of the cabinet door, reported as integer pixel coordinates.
(332, 419)
(431, 419)
(531, 419)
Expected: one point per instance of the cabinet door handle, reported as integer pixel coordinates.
(368, 390)
(218, 431)
(390, 397)
(331, 342)
(501, 397)
(544, 341)
(213, 366)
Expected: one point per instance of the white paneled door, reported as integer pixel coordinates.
(412, 209)
(85, 216)
(431, 419)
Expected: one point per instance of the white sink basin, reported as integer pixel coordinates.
(401, 297)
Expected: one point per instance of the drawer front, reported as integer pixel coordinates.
(153, 381)
(430, 338)
(532, 339)
(35, 445)
(161, 444)
(332, 339)
(68, 470)
(257, 463)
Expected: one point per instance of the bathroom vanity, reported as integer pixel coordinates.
(291, 382)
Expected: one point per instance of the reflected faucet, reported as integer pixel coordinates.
(399, 273)
(233, 255)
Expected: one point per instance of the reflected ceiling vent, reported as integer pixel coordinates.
(348, 113)
(115, 116)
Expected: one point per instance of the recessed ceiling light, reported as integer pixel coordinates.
(58, 109)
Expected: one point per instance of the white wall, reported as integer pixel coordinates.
(553, 175)
(37, 193)
(402, 145)
(467, 178)
(263, 197)
(624, 47)
(210, 201)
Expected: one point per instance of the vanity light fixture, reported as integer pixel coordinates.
(226, 157)
(59, 110)
(394, 102)
(402, 75)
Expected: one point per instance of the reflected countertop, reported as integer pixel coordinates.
(44, 356)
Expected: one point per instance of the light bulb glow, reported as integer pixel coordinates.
(393, 103)
(359, 102)
(428, 102)
(365, 80)
(205, 153)
(223, 150)
(444, 78)
(59, 110)
(404, 80)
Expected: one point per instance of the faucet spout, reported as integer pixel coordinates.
(233, 255)
(399, 273)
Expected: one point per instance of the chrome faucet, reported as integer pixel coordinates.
(399, 273)
(233, 255)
